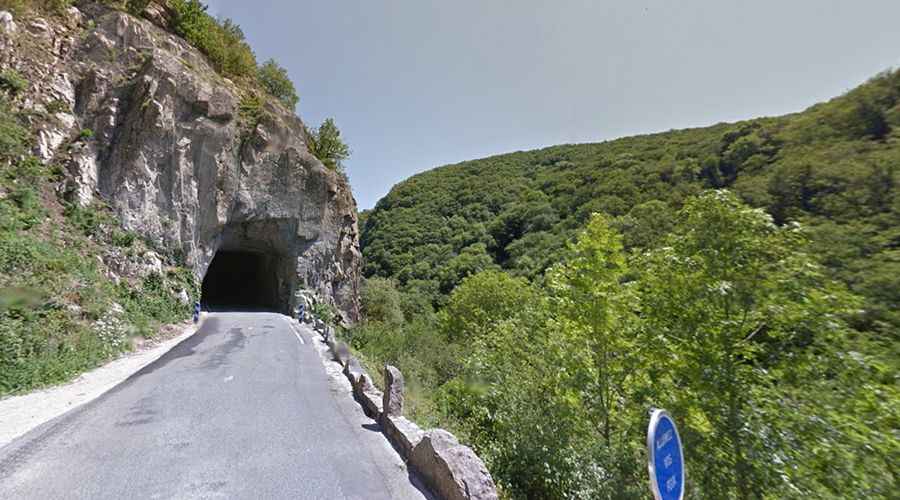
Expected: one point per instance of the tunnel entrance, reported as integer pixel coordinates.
(241, 280)
(254, 266)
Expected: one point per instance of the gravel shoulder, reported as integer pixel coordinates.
(20, 414)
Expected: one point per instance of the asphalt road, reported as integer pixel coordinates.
(242, 409)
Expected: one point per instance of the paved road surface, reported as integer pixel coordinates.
(242, 409)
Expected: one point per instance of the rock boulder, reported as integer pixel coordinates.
(452, 470)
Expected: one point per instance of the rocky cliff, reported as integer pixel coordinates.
(138, 119)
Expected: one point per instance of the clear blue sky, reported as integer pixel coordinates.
(415, 84)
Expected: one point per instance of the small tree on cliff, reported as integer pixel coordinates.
(276, 81)
(325, 143)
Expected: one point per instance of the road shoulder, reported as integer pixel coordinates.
(21, 414)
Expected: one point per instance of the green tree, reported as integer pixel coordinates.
(481, 301)
(325, 143)
(595, 311)
(381, 301)
(277, 83)
(737, 308)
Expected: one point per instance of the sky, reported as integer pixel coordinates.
(416, 84)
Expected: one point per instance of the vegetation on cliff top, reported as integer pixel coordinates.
(541, 302)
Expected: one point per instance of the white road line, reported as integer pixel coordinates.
(296, 333)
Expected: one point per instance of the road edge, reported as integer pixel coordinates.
(21, 414)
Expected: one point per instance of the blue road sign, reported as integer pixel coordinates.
(666, 457)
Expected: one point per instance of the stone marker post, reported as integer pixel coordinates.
(393, 391)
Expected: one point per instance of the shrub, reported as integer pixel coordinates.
(12, 81)
(326, 312)
(88, 220)
(136, 7)
(275, 80)
(13, 137)
(58, 106)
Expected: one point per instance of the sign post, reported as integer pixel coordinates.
(666, 463)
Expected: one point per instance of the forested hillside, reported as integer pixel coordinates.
(527, 297)
(832, 167)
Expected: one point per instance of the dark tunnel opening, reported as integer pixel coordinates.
(241, 280)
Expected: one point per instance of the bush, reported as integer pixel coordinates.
(13, 136)
(58, 106)
(136, 7)
(88, 220)
(12, 81)
(275, 80)
(326, 312)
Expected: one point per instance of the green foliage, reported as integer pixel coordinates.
(326, 312)
(222, 42)
(23, 7)
(736, 306)
(480, 300)
(88, 220)
(325, 143)
(154, 299)
(381, 301)
(251, 112)
(278, 84)
(58, 106)
(12, 81)
(421, 352)
(726, 321)
(86, 134)
(13, 136)
(832, 166)
(672, 294)
(136, 7)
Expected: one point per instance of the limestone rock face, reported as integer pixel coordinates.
(139, 120)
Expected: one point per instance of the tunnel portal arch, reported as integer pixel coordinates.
(253, 267)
